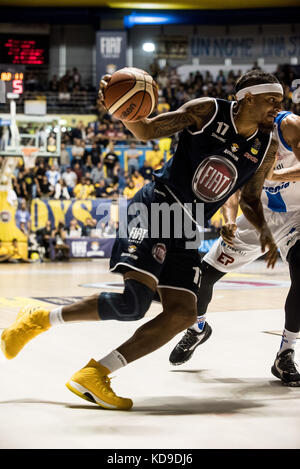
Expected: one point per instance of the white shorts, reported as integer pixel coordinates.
(285, 228)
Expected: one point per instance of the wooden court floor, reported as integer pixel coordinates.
(224, 397)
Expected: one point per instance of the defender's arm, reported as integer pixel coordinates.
(290, 128)
(252, 207)
(229, 211)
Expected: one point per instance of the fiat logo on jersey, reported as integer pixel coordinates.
(213, 178)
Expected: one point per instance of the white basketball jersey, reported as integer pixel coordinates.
(282, 196)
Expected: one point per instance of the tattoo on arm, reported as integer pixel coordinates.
(196, 112)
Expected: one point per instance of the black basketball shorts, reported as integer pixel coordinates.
(153, 250)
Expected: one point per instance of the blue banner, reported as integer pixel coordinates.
(65, 210)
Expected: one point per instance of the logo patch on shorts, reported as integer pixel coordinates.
(214, 178)
(137, 235)
(159, 252)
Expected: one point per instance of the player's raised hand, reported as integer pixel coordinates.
(102, 85)
(267, 242)
(228, 233)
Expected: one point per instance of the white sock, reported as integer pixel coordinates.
(288, 341)
(55, 317)
(113, 361)
(199, 325)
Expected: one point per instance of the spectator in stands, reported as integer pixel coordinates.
(78, 171)
(84, 189)
(146, 171)
(43, 238)
(133, 158)
(77, 132)
(88, 165)
(221, 78)
(53, 175)
(97, 173)
(111, 132)
(112, 189)
(76, 77)
(100, 188)
(53, 84)
(24, 229)
(162, 79)
(15, 254)
(29, 183)
(95, 153)
(4, 253)
(40, 170)
(65, 159)
(137, 179)
(110, 159)
(62, 249)
(77, 152)
(70, 179)
(18, 184)
(74, 230)
(61, 190)
(120, 176)
(23, 216)
(120, 133)
(89, 227)
(130, 190)
(45, 189)
(162, 105)
(154, 156)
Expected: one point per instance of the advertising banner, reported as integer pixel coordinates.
(111, 47)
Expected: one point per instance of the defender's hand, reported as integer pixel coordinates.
(267, 242)
(269, 175)
(102, 85)
(228, 233)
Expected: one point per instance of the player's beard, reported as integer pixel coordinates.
(266, 128)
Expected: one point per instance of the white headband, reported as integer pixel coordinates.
(257, 89)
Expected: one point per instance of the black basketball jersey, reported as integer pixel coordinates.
(210, 164)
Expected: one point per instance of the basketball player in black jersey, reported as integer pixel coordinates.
(222, 146)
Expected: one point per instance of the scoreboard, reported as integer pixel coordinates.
(24, 49)
(14, 81)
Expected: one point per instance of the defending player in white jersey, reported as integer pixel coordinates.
(240, 245)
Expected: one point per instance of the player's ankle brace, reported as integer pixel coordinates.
(130, 305)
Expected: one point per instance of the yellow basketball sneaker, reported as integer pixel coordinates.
(30, 322)
(92, 384)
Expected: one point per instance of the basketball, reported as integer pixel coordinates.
(131, 94)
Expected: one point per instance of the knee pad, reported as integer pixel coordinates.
(130, 305)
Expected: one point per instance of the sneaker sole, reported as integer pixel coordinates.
(191, 354)
(86, 394)
(292, 384)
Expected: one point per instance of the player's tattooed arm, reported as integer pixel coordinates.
(252, 208)
(229, 211)
(196, 112)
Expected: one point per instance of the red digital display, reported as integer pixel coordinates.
(23, 50)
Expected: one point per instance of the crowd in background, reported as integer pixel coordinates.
(173, 92)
